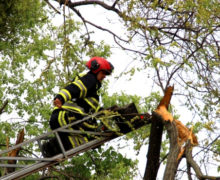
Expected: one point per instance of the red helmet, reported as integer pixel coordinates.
(97, 64)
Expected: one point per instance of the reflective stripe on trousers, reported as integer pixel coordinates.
(75, 140)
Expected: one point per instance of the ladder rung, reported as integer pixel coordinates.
(13, 165)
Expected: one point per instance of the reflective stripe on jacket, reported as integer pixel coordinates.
(81, 86)
(73, 107)
(70, 103)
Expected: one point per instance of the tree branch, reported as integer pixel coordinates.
(3, 106)
(188, 171)
(194, 165)
(15, 152)
(94, 2)
(63, 173)
(50, 177)
(52, 6)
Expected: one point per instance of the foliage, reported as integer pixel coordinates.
(106, 164)
(32, 77)
(95, 164)
(178, 44)
(18, 20)
(179, 41)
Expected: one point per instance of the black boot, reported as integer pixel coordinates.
(51, 148)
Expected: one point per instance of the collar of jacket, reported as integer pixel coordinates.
(99, 84)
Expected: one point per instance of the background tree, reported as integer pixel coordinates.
(37, 59)
(175, 40)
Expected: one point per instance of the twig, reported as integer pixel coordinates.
(52, 6)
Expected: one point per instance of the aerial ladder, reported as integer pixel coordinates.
(126, 120)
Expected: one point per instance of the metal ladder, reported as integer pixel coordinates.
(37, 163)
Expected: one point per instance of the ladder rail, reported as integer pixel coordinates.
(12, 166)
(86, 132)
(60, 129)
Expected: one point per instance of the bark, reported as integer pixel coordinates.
(189, 171)
(15, 152)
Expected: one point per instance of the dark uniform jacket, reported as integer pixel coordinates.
(81, 96)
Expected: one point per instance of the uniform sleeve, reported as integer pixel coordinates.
(69, 92)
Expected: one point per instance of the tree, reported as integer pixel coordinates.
(179, 41)
(37, 59)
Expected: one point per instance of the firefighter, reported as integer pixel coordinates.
(78, 99)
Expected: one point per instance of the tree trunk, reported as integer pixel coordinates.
(153, 155)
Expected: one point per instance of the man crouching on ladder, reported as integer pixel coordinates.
(78, 99)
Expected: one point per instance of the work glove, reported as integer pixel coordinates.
(57, 102)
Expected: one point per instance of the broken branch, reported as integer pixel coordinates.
(15, 152)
